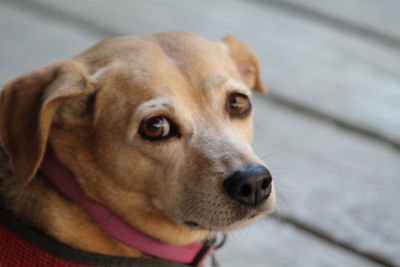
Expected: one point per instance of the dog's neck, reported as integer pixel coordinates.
(38, 203)
(115, 226)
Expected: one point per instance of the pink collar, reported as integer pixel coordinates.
(62, 179)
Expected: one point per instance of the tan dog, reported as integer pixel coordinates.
(156, 127)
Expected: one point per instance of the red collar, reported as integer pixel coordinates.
(62, 179)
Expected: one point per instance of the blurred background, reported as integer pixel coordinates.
(329, 128)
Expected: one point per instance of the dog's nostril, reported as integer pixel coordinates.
(264, 184)
(245, 190)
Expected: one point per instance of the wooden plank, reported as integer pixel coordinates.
(342, 184)
(346, 77)
(379, 16)
(24, 38)
(328, 177)
(269, 243)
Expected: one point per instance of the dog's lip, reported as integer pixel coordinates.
(193, 224)
(250, 213)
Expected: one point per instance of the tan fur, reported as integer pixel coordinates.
(88, 109)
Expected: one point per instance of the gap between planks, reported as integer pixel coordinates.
(325, 237)
(308, 13)
(326, 117)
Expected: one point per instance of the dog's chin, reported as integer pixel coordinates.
(233, 223)
(195, 226)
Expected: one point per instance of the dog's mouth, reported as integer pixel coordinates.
(215, 225)
(242, 216)
(193, 225)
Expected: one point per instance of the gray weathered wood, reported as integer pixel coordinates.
(339, 182)
(270, 244)
(349, 78)
(32, 42)
(380, 16)
(28, 43)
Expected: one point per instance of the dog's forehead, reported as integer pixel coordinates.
(213, 83)
(184, 68)
(190, 52)
(175, 58)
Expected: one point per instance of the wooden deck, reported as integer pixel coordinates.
(329, 129)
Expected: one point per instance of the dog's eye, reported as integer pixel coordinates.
(156, 128)
(238, 105)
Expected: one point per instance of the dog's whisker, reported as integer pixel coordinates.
(191, 207)
(269, 156)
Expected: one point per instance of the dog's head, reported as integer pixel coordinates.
(156, 127)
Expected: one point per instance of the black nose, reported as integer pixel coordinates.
(250, 186)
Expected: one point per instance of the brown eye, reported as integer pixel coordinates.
(156, 128)
(238, 105)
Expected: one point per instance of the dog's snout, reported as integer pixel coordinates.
(250, 186)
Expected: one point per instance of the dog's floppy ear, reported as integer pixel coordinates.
(27, 107)
(246, 63)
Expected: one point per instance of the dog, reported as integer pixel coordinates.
(156, 128)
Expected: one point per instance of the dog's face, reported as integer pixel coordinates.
(160, 128)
